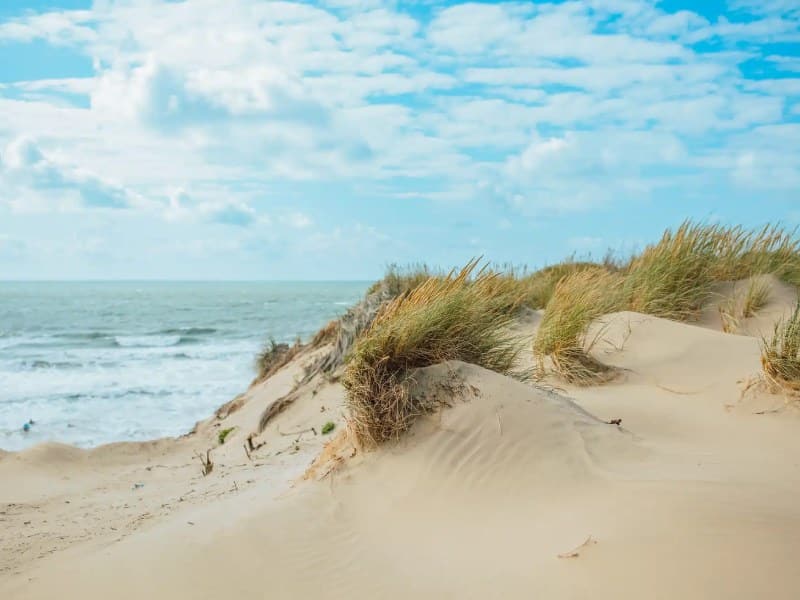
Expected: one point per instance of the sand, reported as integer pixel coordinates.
(512, 491)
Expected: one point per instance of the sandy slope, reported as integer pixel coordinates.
(695, 496)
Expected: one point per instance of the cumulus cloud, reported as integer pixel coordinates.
(560, 104)
(23, 167)
(182, 207)
(170, 98)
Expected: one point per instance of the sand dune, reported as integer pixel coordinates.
(511, 491)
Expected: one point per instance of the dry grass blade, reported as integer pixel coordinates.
(744, 305)
(538, 287)
(577, 301)
(756, 297)
(729, 312)
(673, 278)
(780, 354)
(274, 357)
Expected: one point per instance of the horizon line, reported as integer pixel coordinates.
(166, 280)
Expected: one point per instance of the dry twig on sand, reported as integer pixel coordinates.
(208, 464)
(576, 552)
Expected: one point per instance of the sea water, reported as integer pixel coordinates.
(91, 363)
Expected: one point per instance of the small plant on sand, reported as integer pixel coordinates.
(729, 314)
(744, 305)
(274, 356)
(577, 300)
(223, 434)
(780, 354)
(328, 427)
(756, 296)
(460, 316)
(327, 334)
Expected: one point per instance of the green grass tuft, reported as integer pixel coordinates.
(223, 434)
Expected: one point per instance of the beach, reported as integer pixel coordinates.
(675, 479)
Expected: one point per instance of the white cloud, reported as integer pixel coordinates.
(181, 207)
(24, 168)
(564, 105)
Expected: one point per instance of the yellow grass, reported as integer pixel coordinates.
(780, 354)
(673, 278)
(756, 296)
(275, 356)
(540, 285)
(399, 280)
(744, 305)
(577, 300)
(462, 316)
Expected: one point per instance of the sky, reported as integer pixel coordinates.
(249, 139)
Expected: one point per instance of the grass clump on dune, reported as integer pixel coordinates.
(744, 305)
(780, 354)
(275, 356)
(540, 285)
(756, 296)
(460, 316)
(673, 278)
(400, 280)
(743, 253)
(577, 300)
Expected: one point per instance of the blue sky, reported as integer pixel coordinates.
(243, 139)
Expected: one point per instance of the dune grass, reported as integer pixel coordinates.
(577, 300)
(540, 285)
(756, 296)
(275, 356)
(743, 253)
(399, 280)
(461, 316)
(327, 334)
(744, 305)
(673, 278)
(780, 354)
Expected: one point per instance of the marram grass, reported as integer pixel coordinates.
(577, 300)
(740, 306)
(539, 286)
(464, 315)
(780, 354)
(674, 277)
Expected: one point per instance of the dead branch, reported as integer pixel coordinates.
(298, 432)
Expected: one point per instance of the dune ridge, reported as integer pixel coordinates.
(664, 482)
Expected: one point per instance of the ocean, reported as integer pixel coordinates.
(97, 362)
